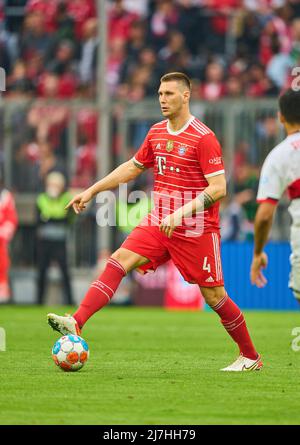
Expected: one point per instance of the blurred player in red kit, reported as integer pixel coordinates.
(189, 181)
(8, 225)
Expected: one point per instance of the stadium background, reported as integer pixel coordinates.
(56, 114)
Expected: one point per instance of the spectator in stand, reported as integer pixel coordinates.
(62, 66)
(81, 11)
(33, 161)
(192, 24)
(48, 120)
(276, 26)
(115, 59)
(63, 16)
(213, 87)
(35, 38)
(138, 83)
(60, 78)
(63, 61)
(175, 46)
(258, 84)
(87, 120)
(134, 90)
(147, 59)
(248, 35)
(221, 13)
(136, 42)
(137, 39)
(65, 23)
(88, 52)
(48, 162)
(164, 18)
(19, 86)
(86, 164)
(85, 154)
(47, 9)
(278, 66)
(34, 69)
(120, 21)
(233, 87)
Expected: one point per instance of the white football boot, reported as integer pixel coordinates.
(245, 364)
(65, 325)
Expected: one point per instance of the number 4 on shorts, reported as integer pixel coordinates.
(206, 265)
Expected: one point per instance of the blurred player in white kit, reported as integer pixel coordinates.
(280, 173)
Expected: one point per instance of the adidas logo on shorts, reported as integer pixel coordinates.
(209, 280)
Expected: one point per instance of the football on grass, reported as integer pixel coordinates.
(70, 352)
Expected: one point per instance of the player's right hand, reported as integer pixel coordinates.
(259, 262)
(80, 201)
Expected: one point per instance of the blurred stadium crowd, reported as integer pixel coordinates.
(49, 49)
(229, 47)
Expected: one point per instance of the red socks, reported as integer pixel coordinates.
(100, 292)
(103, 289)
(233, 321)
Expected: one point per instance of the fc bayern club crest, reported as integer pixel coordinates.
(169, 146)
(182, 150)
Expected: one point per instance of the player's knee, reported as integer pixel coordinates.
(119, 256)
(126, 258)
(213, 295)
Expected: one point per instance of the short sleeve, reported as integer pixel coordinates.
(144, 157)
(209, 154)
(271, 185)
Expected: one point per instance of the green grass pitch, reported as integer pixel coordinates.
(148, 366)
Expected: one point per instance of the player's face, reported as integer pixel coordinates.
(172, 97)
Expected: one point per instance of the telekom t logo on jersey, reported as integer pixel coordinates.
(162, 165)
(161, 162)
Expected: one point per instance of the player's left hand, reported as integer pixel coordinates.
(169, 224)
(259, 262)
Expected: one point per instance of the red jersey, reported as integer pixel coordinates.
(182, 162)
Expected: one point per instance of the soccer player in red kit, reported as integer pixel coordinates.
(189, 181)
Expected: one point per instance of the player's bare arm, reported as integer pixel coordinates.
(262, 228)
(215, 191)
(122, 174)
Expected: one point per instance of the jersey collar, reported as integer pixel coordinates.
(175, 133)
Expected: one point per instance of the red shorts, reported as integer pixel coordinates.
(197, 259)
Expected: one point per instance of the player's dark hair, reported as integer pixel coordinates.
(180, 77)
(289, 106)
